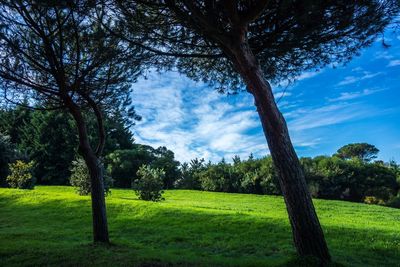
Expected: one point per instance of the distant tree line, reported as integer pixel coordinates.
(347, 175)
(49, 140)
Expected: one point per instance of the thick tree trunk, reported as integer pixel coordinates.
(99, 217)
(307, 232)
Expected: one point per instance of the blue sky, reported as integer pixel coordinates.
(358, 102)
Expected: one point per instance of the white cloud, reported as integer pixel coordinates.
(353, 79)
(195, 121)
(303, 76)
(353, 95)
(393, 63)
(307, 75)
(383, 55)
(310, 118)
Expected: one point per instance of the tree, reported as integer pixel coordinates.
(254, 42)
(50, 140)
(363, 151)
(58, 56)
(123, 164)
(8, 154)
(165, 159)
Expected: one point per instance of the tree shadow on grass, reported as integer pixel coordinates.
(58, 233)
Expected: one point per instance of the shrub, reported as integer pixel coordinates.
(80, 178)
(21, 175)
(373, 200)
(150, 183)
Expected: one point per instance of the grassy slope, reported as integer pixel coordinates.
(52, 226)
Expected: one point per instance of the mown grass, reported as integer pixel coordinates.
(51, 226)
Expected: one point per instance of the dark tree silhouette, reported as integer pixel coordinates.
(231, 43)
(57, 55)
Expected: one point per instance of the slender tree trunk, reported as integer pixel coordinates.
(100, 227)
(99, 217)
(307, 232)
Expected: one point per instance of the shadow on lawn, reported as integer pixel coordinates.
(55, 232)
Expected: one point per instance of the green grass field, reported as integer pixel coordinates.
(52, 226)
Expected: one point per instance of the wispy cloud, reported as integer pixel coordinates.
(307, 75)
(303, 76)
(315, 117)
(393, 63)
(195, 121)
(353, 79)
(353, 95)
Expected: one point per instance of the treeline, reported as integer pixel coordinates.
(49, 140)
(328, 177)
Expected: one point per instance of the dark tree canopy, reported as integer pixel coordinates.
(287, 37)
(363, 151)
(231, 43)
(47, 51)
(58, 55)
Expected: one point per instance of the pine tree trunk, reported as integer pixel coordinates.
(100, 227)
(99, 216)
(308, 236)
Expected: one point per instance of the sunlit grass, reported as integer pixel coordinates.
(52, 226)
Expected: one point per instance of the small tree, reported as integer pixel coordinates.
(150, 183)
(21, 175)
(363, 151)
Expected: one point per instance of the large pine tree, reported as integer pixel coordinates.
(232, 43)
(57, 55)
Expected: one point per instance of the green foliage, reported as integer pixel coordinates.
(43, 227)
(363, 151)
(150, 183)
(80, 178)
(336, 178)
(259, 176)
(8, 154)
(190, 174)
(373, 200)
(283, 52)
(165, 159)
(247, 176)
(21, 175)
(220, 177)
(123, 165)
(394, 202)
(49, 138)
(327, 177)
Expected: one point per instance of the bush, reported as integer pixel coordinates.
(150, 183)
(373, 200)
(80, 178)
(21, 175)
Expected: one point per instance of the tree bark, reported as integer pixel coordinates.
(99, 217)
(308, 236)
